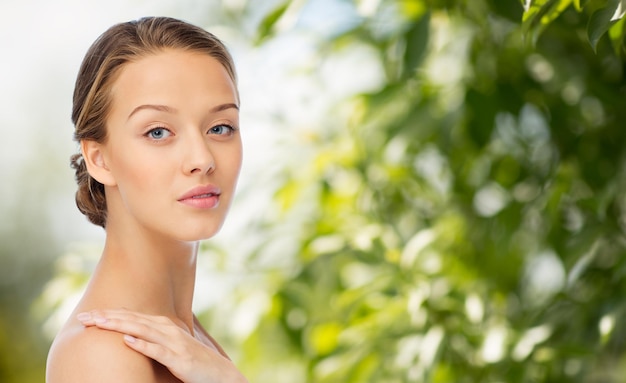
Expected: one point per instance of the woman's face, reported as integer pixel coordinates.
(173, 148)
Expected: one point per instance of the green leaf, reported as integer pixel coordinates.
(539, 14)
(581, 4)
(544, 11)
(416, 42)
(616, 34)
(577, 5)
(267, 24)
(601, 21)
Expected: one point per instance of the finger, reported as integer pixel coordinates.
(100, 316)
(185, 365)
(154, 329)
(156, 351)
(86, 319)
(92, 318)
(138, 329)
(95, 318)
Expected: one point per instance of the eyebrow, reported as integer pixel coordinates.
(171, 110)
(219, 108)
(159, 108)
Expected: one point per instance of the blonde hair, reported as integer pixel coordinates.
(120, 44)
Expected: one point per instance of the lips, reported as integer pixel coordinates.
(202, 197)
(206, 195)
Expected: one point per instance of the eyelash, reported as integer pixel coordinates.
(231, 130)
(149, 133)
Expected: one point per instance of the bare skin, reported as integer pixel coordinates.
(170, 132)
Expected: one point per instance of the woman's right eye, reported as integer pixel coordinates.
(158, 133)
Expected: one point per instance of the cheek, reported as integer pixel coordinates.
(123, 166)
(236, 161)
(229, 158)
(137, 171)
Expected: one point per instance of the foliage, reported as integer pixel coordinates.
(466, 223)
(604, 15)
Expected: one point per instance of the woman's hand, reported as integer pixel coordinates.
(159, 338)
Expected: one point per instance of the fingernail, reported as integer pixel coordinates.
(83, 317)
(129, 338)
(99, 319)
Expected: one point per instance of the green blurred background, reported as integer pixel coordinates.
(431, 192)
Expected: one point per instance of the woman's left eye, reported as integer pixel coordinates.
(222, 129)
(158, 133)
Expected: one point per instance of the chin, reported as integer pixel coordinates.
(200, 234)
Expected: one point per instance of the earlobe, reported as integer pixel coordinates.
(95, 162)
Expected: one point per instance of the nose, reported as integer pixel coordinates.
(198, 156)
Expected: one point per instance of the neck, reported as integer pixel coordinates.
(146, 273)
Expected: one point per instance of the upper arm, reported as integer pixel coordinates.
(95, 355)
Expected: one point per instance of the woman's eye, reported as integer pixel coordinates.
(158, 133)
(222, 130)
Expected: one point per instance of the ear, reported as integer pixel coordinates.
(94, 158)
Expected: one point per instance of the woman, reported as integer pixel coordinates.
(156, 115)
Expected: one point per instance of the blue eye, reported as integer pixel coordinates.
(221, 129)
(158, 133)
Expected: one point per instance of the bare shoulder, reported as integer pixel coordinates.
(93, 355)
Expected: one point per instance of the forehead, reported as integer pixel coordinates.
(172, 77)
